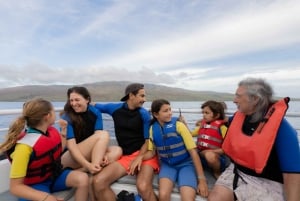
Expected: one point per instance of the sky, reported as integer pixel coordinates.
(203, 45)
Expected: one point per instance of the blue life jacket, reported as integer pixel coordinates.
(169, 143)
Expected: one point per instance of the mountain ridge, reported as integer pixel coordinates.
(110, 91)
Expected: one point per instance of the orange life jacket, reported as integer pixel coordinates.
(253, 151)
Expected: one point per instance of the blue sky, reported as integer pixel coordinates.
(205, 45)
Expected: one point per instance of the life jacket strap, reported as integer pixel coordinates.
(207, 137)
(170, 146)
(170, 155)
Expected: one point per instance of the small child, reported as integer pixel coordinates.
(177, 152)
(210, 134)
(35, 155)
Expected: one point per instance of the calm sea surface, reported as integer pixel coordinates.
(294, 110)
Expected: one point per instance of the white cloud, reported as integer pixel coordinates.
(198, 45)
(242, 32)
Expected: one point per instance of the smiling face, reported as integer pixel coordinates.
(164, 114)
(242, 101)
(136, 100)
(78, 102)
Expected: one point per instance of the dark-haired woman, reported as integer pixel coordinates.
(87, 142)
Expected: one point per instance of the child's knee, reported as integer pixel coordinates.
(82, 179)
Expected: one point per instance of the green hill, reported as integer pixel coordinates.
(108, 91)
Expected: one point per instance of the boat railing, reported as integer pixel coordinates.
(184, 112)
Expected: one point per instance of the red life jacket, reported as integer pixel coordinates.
(209, 135)
(45, 158)
(253, 151)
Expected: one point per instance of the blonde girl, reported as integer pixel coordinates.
(34, 148)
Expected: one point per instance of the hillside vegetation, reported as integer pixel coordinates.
(108, 91)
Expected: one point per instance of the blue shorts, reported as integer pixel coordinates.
(50, 186)
(224, 162)
(184, 173)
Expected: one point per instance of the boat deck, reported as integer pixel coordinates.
(125, 183)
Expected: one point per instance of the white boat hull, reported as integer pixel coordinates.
(125, 183)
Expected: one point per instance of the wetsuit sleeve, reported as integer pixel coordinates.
(20, 159)
(108, 108)
(70, 131)
(186, 135)
(146, 122)
(287, 147)
(99, 120)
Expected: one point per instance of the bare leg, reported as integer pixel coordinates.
(93, 149)
(100, 147)
(187, 193)
(91, 189)
(103, 180)
(113, 154)
(213, 161)
(80, 181)
(165, 189)
(220, 193)
(144, 183)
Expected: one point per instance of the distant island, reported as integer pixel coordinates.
(109, 92)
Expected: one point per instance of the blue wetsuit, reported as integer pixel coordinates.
(131, 126)
(287, 148)
(92, 121)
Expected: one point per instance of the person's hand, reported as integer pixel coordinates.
(62, 123)
(198, 123)
(93, 168)
(105, 161)
(202, 188)
(182, 119)
(59, 199)
(135, 165)
(52, 198)
(63, 128)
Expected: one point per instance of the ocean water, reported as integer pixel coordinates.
(293, 114)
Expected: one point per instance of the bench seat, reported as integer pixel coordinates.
(124, 183)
